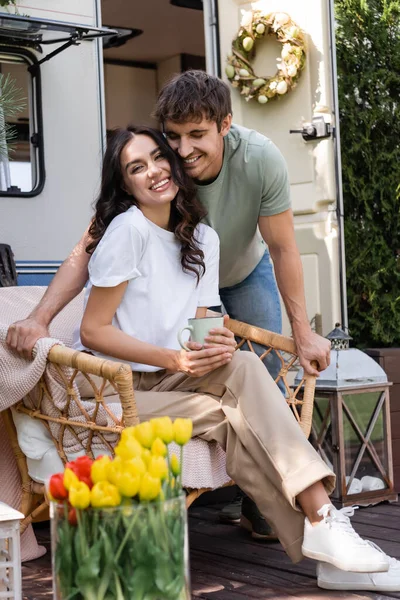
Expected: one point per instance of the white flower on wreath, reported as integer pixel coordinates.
(247, 18)
(283, 69)
(286, 51)
(248, 98)
(273, 85)
(292, 71)
(245, 90)
(235, 84)
(280, 20)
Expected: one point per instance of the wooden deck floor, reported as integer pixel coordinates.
(227, 565)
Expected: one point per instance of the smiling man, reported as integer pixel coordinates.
(243, 183)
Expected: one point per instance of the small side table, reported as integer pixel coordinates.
(10, 553)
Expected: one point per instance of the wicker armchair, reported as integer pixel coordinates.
(33, 503)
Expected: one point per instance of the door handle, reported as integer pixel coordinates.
(318, 129)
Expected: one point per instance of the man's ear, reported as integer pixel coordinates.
(226, 125)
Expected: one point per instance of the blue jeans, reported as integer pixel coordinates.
(256, 301)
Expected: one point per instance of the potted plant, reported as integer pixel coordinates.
(119, 529)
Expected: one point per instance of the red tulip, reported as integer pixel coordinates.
(82, 467)
(56, 487)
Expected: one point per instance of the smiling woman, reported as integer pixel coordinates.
(140, 169)
(148, 249)
(147, 178)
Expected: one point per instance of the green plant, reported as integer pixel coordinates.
(11, 103)
(368, 56)
(9, 3)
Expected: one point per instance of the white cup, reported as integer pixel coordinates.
(199, 329)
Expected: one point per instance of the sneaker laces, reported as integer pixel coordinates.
(341, 520)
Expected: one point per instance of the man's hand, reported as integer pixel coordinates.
(200, 362)
(23, 335)
(312, 346)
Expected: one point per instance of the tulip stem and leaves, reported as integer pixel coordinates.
(119, 524)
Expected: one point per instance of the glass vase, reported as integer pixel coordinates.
(130, 552)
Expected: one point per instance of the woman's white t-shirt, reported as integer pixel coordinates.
(160, 297)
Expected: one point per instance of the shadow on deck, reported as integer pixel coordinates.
(227, 565)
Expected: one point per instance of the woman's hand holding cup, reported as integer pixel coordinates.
(221, 336)
(200, 362)
(211, 346)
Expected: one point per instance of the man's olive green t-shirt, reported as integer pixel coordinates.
(253, 182)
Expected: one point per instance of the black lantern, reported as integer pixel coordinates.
(351, 424)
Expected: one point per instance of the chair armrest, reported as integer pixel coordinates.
(118, 373)
(303, 394)
(262, 336)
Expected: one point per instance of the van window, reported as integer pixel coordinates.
(21, 159)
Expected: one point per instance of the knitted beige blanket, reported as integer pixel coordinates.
(19, 376)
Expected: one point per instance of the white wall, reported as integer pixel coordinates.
(47, 226)
(130, 95)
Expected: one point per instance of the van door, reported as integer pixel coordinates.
(311, 164)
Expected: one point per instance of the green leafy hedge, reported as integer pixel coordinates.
(368, 55)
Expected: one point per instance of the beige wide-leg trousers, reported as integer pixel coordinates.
(240, 407)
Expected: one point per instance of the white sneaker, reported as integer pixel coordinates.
(331, 578)
(334, 541)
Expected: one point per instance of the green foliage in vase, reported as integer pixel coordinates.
(135, 552)
(368, 57)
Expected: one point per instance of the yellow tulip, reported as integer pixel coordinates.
(158, 467)
(70, 479)
(144, 434)
(135, 466)
(128, 485)
(104, 494)
(99, 469)
(114, 470)
(163, 429)
(146, 456)
(79, 495)
(175, 466)
(127, 433)
(128, 448)
(158, 448)
(183, 429)
(150, 488)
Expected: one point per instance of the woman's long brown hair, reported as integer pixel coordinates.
(186, 210)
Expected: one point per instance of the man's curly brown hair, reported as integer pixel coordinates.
(193, 96)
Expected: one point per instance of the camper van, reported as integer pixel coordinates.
(87, 66)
